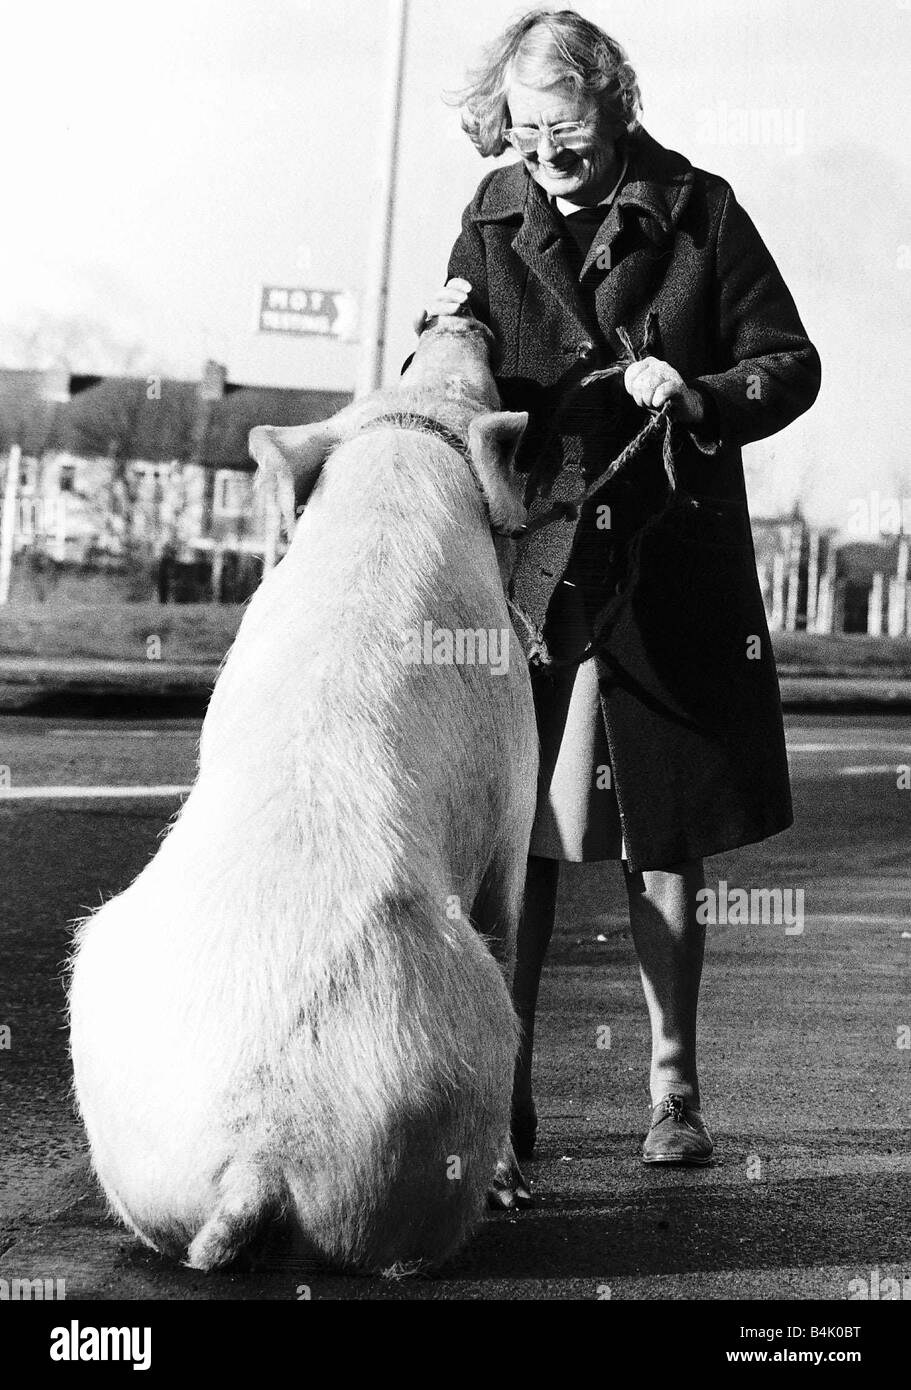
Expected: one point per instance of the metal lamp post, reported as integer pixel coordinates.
(376, 296)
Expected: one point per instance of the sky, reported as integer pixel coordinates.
(165, 160)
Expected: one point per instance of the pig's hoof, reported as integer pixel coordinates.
(509, 1190)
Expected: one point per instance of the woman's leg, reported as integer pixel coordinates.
(536, 927)
(670, 945)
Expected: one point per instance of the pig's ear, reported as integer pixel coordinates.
(290, 459)
(493, 440)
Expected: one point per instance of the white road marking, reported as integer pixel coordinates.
(849, 748)
(123, 733)
(862, 919)
(865, 769)
(87, 793)
(857, 919)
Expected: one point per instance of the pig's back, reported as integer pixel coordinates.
(318, 699)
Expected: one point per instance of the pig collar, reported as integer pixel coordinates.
(425, 424)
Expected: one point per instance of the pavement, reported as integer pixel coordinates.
(804, 1037)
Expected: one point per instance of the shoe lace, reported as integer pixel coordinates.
(674, 1108)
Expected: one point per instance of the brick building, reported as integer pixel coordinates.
(130, 486)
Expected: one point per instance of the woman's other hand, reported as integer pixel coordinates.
(651, 382)
(448, 300)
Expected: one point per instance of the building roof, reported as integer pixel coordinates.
(243, 407)
(133, 419)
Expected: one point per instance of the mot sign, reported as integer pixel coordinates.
(325, 313)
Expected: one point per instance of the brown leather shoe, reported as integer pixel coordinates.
(677, 1134)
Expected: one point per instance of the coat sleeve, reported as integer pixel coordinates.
(468, 260)
(770, 369)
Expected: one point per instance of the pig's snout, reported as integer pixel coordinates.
(465, 326)
(456, 344)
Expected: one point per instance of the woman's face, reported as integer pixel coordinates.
(584, 174)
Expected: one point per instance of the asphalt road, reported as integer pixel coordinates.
(805, 1082)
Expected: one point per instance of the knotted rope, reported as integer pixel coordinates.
(569, 509)
(534, 642)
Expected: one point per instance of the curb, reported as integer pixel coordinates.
(26, 680)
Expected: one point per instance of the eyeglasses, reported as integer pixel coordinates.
(567, 135)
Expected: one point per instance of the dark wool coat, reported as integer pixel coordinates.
(689, 691)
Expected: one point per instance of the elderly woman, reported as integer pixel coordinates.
(600, 249)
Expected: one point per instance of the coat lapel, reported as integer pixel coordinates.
(656, 190)
(537, 241)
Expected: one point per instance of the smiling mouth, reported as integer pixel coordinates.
(559, 170)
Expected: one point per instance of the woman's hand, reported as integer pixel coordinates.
(652, 382)
(448, 300)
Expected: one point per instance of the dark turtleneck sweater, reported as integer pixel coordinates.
(579, 230)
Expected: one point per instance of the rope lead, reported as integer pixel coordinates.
(535, 645)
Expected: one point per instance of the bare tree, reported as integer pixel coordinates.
(85, 344)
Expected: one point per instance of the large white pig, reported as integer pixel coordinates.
(299, 1009)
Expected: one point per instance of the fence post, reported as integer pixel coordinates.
(8, 520)
(895, 623)
(825, 608)
(790, 621)
(776, 620)
(899, 606)
(812, 581)
(218, 564)
(875, 606)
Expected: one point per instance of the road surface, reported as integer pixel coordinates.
(805, 1049)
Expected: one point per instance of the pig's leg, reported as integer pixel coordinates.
(495, 914)
(509, 1188)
